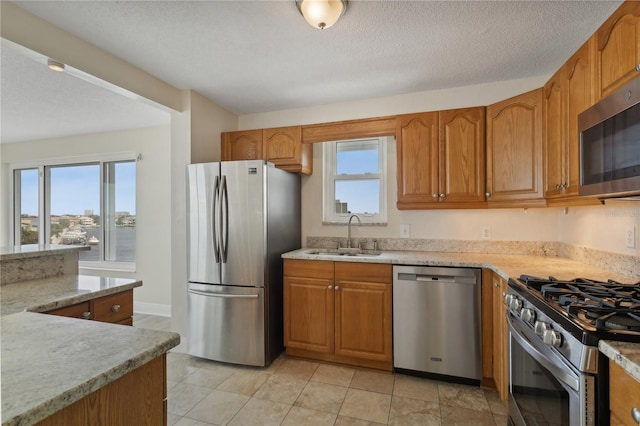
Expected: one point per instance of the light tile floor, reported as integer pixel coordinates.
(299, 392)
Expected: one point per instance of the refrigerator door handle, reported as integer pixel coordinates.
(214, 215)
(224, 220)
(225, 296)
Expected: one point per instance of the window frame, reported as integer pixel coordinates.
(44, 190)
(330, 176)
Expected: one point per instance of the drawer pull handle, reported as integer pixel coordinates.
(635, 415)
(85, 315)
(115, 308)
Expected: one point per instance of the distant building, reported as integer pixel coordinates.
(88, 212)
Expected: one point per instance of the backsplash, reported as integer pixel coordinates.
(615, 262)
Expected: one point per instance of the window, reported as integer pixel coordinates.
(354, 180)
(88, 203)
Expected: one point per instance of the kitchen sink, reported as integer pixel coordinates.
(336, 253)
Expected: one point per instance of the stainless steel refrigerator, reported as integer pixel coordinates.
(242, 215)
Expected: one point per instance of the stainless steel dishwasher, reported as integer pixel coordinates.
(437, 322)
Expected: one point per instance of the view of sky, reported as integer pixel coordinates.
(75, 189)
(361, 196)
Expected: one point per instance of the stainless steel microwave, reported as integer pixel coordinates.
(610, 145)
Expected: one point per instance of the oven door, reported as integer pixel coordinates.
(543, 388)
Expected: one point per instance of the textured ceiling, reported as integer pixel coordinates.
(258, 56)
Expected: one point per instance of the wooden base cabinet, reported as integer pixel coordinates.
(116, 308)
(499, 366)
(137, 398)
(624, 396)
(339, 312)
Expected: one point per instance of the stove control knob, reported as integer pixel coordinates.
(540, 327)
(552, 338)
(508, 298)
(528, 315)
(515, 305)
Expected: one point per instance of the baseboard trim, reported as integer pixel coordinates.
(152, 309)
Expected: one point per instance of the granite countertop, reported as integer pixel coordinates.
(49, 362)
(56, 292)
(36, 250)
(625, 354)
(505, 265)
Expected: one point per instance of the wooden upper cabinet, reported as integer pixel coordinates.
(441, 159)
(617, 49)
(242, 145)
(417, 150)
(579, 97)
(283, 147)
(514, 151)
(555, 134)
(462, 149)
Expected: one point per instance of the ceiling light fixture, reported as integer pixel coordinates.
(55, 65)
(322, 14)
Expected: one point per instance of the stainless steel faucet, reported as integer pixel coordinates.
(349, 228)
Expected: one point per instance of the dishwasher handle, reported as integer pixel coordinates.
(436, 278)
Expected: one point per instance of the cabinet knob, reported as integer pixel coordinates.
(337, 287)
(441, 195)
(434, 195)
(638, 67)
(330, 287)
(487, 194)
(115, 308)
(635, 415)
(557, 186)
(85, 315)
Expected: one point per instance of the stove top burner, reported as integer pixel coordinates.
(606, 306)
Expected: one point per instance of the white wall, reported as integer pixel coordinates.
(602, 227)
(153, 199)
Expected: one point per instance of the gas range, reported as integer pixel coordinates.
(554, 329)
(589, 310)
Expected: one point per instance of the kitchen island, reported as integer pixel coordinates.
(59, 370)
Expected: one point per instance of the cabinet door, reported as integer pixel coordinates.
(500, 356)
(624, 396)
(462, 162)
(363, 311)
(283, 147)
(618, 49)
(514, 151)
(417, 150)
(579, 97)
(554, 134)
(242, 145)
(309, 314)
(363, 320)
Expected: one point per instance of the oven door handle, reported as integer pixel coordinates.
(568, 379)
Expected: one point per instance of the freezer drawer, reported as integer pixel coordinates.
(436, 321)
(226, 323)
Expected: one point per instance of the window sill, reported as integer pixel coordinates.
(354, 223)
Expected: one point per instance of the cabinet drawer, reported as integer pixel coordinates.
(624, 395)
(113, 308)
(308, 268)
(364, 272)
(80, 310)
